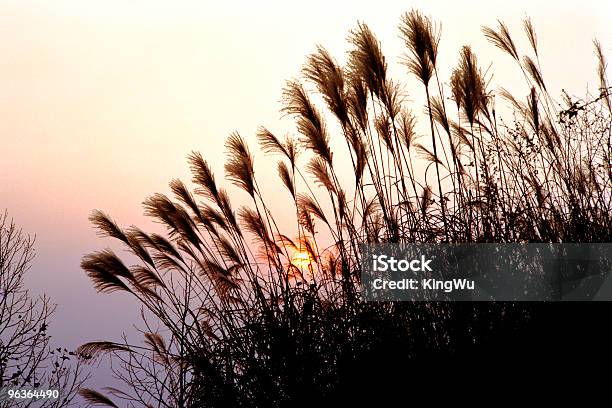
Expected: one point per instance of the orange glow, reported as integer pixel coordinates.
(301, 259)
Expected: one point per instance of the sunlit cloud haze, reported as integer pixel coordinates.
(100, 102)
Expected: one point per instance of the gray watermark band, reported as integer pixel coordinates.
(486, 272)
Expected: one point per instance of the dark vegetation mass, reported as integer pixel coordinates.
(231, 319)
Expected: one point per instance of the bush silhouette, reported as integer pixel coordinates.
(253, 316)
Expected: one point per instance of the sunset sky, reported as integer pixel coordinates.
(101, 101)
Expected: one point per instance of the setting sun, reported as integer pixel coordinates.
(301, 259)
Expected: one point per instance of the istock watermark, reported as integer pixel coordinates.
(383, 263)
(486, 272)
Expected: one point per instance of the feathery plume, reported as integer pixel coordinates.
(421, 38)
(439, 114)
(322, 70)
(137, 245)
(96, 398)
(318, 168)
(407, 123)
(533, 70)
(309, 122)
(285, 176)
(531, 35)
(501, 39)
(286, 242)
(203, 176)
(306, 220)
(164, 246)
(239, 166)
(601, 73)
(460, 134)
(174, 216)
(228, 251)
(357, 100)
(426, 199)
(93, 349)
(226, 208)
(104, 268)
(469, 85)
(269, 142)
(392, 98)
(184, 195)
(106, 226)
(383, 128)
(212, 216)
(427, 154)
(366, 61)
(309, 205)
(253, 223)
(456, 91)
(157, 344)
(146, 277)
(504, 93)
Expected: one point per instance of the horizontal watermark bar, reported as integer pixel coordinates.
(486, 272)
